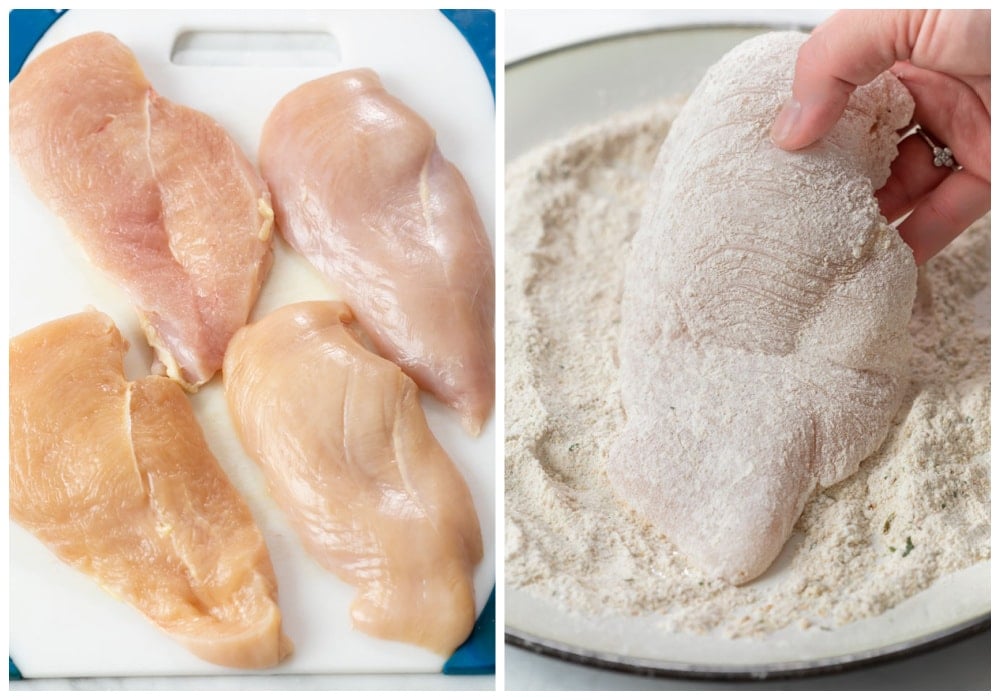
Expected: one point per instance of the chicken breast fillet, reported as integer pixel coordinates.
(764, 344)
(346, 451)
(116, 478)
(158, 194)
(362, 191)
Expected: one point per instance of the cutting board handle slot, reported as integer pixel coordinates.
(255, 48)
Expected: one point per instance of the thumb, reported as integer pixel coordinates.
(848, 50)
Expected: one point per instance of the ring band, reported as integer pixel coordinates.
(943, 157)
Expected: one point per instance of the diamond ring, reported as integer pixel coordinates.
(943, 157)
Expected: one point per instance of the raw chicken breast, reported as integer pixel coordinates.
(342, 439)
(361, 189)
(764, 342)
(158, 195)
(116, 479)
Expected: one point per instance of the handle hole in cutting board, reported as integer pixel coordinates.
(255, 48)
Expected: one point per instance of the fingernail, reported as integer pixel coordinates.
(787, 121)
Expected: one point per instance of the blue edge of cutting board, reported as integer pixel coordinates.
(477, 656)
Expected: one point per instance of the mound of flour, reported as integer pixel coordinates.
(917, 509)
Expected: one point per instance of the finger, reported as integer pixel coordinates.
(981, 86)
(850, 49)
(953, 112)
(953, 41)
(913, 176)
(944, 213)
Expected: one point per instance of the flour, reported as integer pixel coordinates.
(916, 509)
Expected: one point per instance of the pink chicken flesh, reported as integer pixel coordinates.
(158, 195)
(362, 191)
(116, 478)
(346, 451)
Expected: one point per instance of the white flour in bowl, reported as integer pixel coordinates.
(917, 509)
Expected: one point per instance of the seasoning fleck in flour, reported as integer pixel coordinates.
(916, 509)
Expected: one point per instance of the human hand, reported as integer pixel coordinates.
(943, 59)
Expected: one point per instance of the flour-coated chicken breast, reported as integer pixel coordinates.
(764, 345)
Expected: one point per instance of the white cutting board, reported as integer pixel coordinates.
(61, 623)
